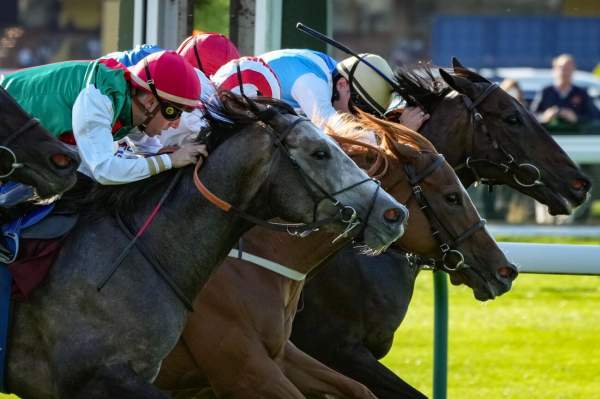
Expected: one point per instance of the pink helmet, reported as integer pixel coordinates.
(208, 51)
(255, 77)
(173, 78)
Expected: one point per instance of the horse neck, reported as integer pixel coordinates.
(191, 236)
(299, 254)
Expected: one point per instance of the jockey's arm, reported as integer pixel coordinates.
(314, 96)
(92, 126)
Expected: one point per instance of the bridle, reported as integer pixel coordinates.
(346, 214)
(448, 242)
(509, 165)
(14, 164)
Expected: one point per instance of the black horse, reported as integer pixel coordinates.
(71, 341)
(29, 154)
(487, 136)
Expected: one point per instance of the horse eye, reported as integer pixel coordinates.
(453, 199)
(320, 155)
(513, 119)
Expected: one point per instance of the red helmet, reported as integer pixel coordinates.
(174, 79)
(252, 73)
(208, 51)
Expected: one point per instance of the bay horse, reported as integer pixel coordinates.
(237, 340)
(485, 134)
(72, 341)
(30, 155)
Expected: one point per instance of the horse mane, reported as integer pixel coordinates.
(360, 127)
(125, 197)
(418, 86)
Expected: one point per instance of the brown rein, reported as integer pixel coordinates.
(206, 193)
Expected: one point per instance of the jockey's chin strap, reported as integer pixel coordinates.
(149, 114)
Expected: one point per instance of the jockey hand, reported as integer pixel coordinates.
(188, 154)
(413, 118)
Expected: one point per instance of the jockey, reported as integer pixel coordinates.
(320, 87)
(93, 104)
(190, 122)
(250, 76)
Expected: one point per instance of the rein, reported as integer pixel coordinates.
(509, 166)
(346, 214)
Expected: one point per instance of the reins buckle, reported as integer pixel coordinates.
(417, 189)
(444, 248)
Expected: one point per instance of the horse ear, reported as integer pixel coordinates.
(461, 70)
(456, 64)
(459, 83)
(403, 152)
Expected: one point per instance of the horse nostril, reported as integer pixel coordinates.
(508, 272)
(580, 184)
(393, 215)
(61, 161)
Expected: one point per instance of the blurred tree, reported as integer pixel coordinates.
(211, 16)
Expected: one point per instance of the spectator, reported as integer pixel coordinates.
(513, 88)
(514, 206)
(564, 106)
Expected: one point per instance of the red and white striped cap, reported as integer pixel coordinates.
(174, 78)
(257, 78)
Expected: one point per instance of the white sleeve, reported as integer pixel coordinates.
(190, 124)
(314, 96)
(92, 127)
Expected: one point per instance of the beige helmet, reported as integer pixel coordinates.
(368, 84)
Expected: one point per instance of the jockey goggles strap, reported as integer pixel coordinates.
(169, 111)
(149, 114)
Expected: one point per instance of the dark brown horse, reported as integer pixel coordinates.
(237, 339)
(488, 136)
(29, 154)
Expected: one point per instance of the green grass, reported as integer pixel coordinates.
(538, 341)
(541, 340)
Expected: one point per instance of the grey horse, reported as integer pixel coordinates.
(71, 341)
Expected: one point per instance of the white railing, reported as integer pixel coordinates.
(581, 148)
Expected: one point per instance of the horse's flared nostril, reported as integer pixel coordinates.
(508, 272)
(394, 215)
(581, 184)
(61, 161)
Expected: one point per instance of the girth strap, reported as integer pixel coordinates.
(267, 264)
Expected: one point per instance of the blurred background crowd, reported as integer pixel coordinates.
(544, 52)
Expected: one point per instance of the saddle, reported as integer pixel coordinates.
(33, 241)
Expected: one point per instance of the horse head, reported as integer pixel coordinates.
(30, 154)
(444, 225)
(488, 136)
(306, 177)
